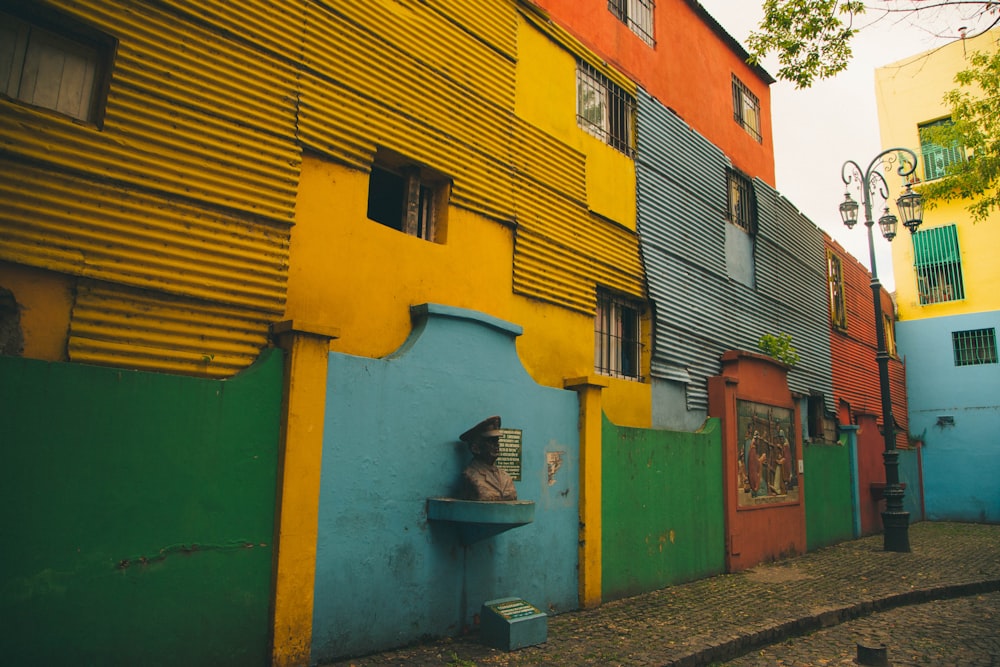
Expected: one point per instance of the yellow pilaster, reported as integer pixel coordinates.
(307, 350)
(589, 390)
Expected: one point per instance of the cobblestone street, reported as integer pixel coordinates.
(940, 602)
(963, 632)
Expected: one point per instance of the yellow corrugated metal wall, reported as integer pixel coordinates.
(177, 213)
(181, 203)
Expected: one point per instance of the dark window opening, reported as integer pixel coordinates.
(406, 200)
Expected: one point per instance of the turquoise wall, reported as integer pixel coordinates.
(136, 514)
(961, 467)
(662, 513)
(385, 575)
(828, 490)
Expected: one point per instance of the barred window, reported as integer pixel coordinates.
(938, 158)
(938, 265)
(604, 110)
(835, 277)
(57, 65)
(746, 108)
(742, 204)
(616, 336)
(974, 347)
(637, 15)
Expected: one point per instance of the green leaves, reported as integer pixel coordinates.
(811, 37)
(975, 115)
(779, 347)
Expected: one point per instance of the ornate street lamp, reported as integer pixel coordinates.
(872, 185)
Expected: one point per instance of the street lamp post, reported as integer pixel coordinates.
(872, 185)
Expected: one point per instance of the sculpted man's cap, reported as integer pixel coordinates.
(488, 428)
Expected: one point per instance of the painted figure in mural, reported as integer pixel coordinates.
(758, 482)
(482, 479)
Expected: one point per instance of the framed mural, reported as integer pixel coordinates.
(767, 471)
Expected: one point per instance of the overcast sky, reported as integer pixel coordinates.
(817, 130)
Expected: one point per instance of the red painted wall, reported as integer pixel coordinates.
(689, 70)
(856, 382)
(765, 532)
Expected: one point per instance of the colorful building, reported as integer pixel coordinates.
(949, 308)
(858, 394)
(426, 214)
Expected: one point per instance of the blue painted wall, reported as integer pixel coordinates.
(961, 464)
(385, 575)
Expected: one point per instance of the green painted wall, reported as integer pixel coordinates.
(136, 514)
(828, 494)
(662, 512)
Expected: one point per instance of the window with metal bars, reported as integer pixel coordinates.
(617, 336)
(637, 15)
(938, 265)
(835, 277)
(746, 108)
(742, 204)
(938, 158)
(974, 347)
(604, 110)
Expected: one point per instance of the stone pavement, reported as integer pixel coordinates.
(728, 616)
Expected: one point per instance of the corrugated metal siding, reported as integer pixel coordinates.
(855, 369)
(442, 94)
(700, 313)
(114, 325)
(187, 191)
(410, 80)
(791, 273)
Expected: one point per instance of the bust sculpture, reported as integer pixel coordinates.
(482, 479)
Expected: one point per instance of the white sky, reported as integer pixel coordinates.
(816, 130)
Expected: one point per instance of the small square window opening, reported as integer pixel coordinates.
(62, 66)
(408, 200)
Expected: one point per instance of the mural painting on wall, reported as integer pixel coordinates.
(766, 465)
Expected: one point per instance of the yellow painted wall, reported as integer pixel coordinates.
(355, 274)
(360, 276)
(45, 300)
(910, 92)
(546, 97)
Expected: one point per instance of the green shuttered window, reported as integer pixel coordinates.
(938, 158)
(938, 265)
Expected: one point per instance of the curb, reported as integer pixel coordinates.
(734, 648)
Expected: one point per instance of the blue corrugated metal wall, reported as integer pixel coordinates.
(699, 312)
